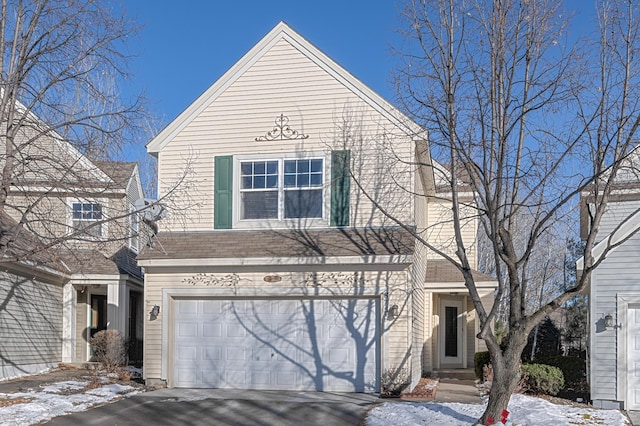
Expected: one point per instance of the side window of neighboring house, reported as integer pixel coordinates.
(134, 222)
(87, 216)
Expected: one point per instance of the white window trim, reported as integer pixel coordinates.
(134, 216)
(104, 202)
(282, 223)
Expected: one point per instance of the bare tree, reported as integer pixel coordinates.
(63, 66)
(530, 120)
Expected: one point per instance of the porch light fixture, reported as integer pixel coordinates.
(608, 322)
(155, 311)
(393, 312)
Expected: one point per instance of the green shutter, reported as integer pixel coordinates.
(223, 192)
(340, 187)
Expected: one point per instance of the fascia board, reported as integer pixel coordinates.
(31, 269)
(68, 190)
(283, 31)
(459, 286)
(396, 260)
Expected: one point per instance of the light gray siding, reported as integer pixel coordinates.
(30, 325)
(618, 273)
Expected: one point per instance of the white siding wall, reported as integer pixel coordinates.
(30, 325)
(440, 231)
(284, 81)
(619, 273)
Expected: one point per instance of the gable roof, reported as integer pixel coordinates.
(283, 32)
(119, 171)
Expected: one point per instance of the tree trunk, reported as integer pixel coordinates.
(506, 375)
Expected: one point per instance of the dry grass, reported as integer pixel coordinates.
(6, 402)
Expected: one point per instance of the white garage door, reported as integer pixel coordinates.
(288, 344)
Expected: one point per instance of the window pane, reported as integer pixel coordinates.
(259, 182)
(316, 179)
(451, 331)
(303, 181)
(289, 181)
(246, 168)
(272, 181)
(260, 205)
(316, 166)
(290, 166)
(303, 166)
(272, 167)
(301, 204)
(246, 182)
(259, 168)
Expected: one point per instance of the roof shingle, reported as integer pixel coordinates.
(282, 243)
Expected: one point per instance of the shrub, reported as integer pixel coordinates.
(394, 381)
(109, 349)
(480, 359)
(542, 379)
(573, 368)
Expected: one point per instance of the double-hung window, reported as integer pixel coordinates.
(282, 189)
(84, 215)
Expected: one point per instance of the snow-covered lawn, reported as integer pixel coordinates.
(525, 410)
(37, 405)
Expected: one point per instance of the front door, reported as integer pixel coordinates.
(633, 360)
(450, 332)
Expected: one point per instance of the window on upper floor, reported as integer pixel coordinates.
(281, 189)
(275, 190)
(85, 215)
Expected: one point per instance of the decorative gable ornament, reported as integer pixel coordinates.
(281, 131)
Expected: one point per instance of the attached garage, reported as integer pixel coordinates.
(316, 344)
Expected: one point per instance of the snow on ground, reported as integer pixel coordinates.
(35, 406)
(525, 411)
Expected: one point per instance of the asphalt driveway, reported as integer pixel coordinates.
(227, 407)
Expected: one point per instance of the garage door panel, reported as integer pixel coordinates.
(187, 329)
(187, 353)
(235, 330)
(211, 353)
(211, 307)
(276, 344)
(188, 308)
(236, 353)
(212, 329)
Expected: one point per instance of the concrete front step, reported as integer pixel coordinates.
(455, 374)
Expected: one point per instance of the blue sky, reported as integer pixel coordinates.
(185, 46)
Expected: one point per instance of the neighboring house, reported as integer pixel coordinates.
(614, 297)
(78, 273)
(31, 304)
(275, 269)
